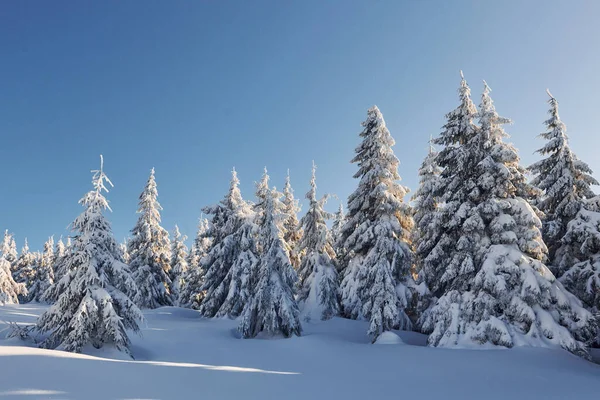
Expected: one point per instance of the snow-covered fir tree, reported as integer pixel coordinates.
(583, 242)
(565, 181)
(201, 244)
(24, 271)
(10, 291)
(434, 266)
(9, 248)
(271, 308)
(124, 252)
(232, 255)
(425, 205)
(377, 283)
(179, 265)
(192, 294)
(60, 250)
(149, 251)
(93, 308)
(292, 231)
(495, 288)
(339, 219)
(44, 274)
(318, 276)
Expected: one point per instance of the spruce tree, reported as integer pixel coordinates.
(495, 287)
(93, 308)
(150, 252)
(231, 255)
(583, 241)
(376, 279)
(339, 219)
(192, 294)
(318, 276)
(292, 231)
(10, 291)
(271, 308)
(565, 181)
(44, 275)
(24, 271)
(179, 265)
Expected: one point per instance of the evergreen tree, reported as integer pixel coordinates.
(60, 252)
(437, 267)
(202, 243)
(192, 294)
(10, 291)
(179, 265)
(44, 274)
(9, 248)
(291, 226)
(93, 307)
(565, 182)
(317, 272)
(124, 252)
(583, 240)
(271, 308)
(231, 256)
(24, 271)
(496, 288)
(150, 252)
(339, 219)
(376, 279)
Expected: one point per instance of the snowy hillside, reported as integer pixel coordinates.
(183, 356)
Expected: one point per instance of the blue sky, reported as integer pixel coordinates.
(193, 88)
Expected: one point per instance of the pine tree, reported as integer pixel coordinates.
(376, 279)
(191, 294)
(339, 219)
(291, 226)
(24, 271)
(44, 275)
(318, 276)
(565, 182)
(231, 256)
(271, 308)
(496, 288)
(59, 254)
(179, 265)
(124, 252)
(10, 291)
(93, 307)
(150, 252)
(583, 240)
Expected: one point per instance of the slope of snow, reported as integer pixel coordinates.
(182, 356)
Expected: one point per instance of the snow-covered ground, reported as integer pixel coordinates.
(183, 356)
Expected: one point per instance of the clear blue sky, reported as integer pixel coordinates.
(194, 88)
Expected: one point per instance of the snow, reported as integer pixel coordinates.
(182, 355)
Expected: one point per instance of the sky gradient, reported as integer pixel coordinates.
(194, 88)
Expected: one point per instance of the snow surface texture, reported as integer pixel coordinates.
(184, 356)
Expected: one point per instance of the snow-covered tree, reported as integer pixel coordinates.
(271, 308)
(93, 308)
(376, 279)
(583, 240)
(191, 293)
(231, 256)
(44, 274)
(434, 266)
(9, 248)
(495, 288)
(292, 231)
(318, 276)
(10, 291)
(202, 243)
(425, 205)
(24, 271)
(149, 251)
(124, 252)
(565, 181)
(60, 251)
(179, 265)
